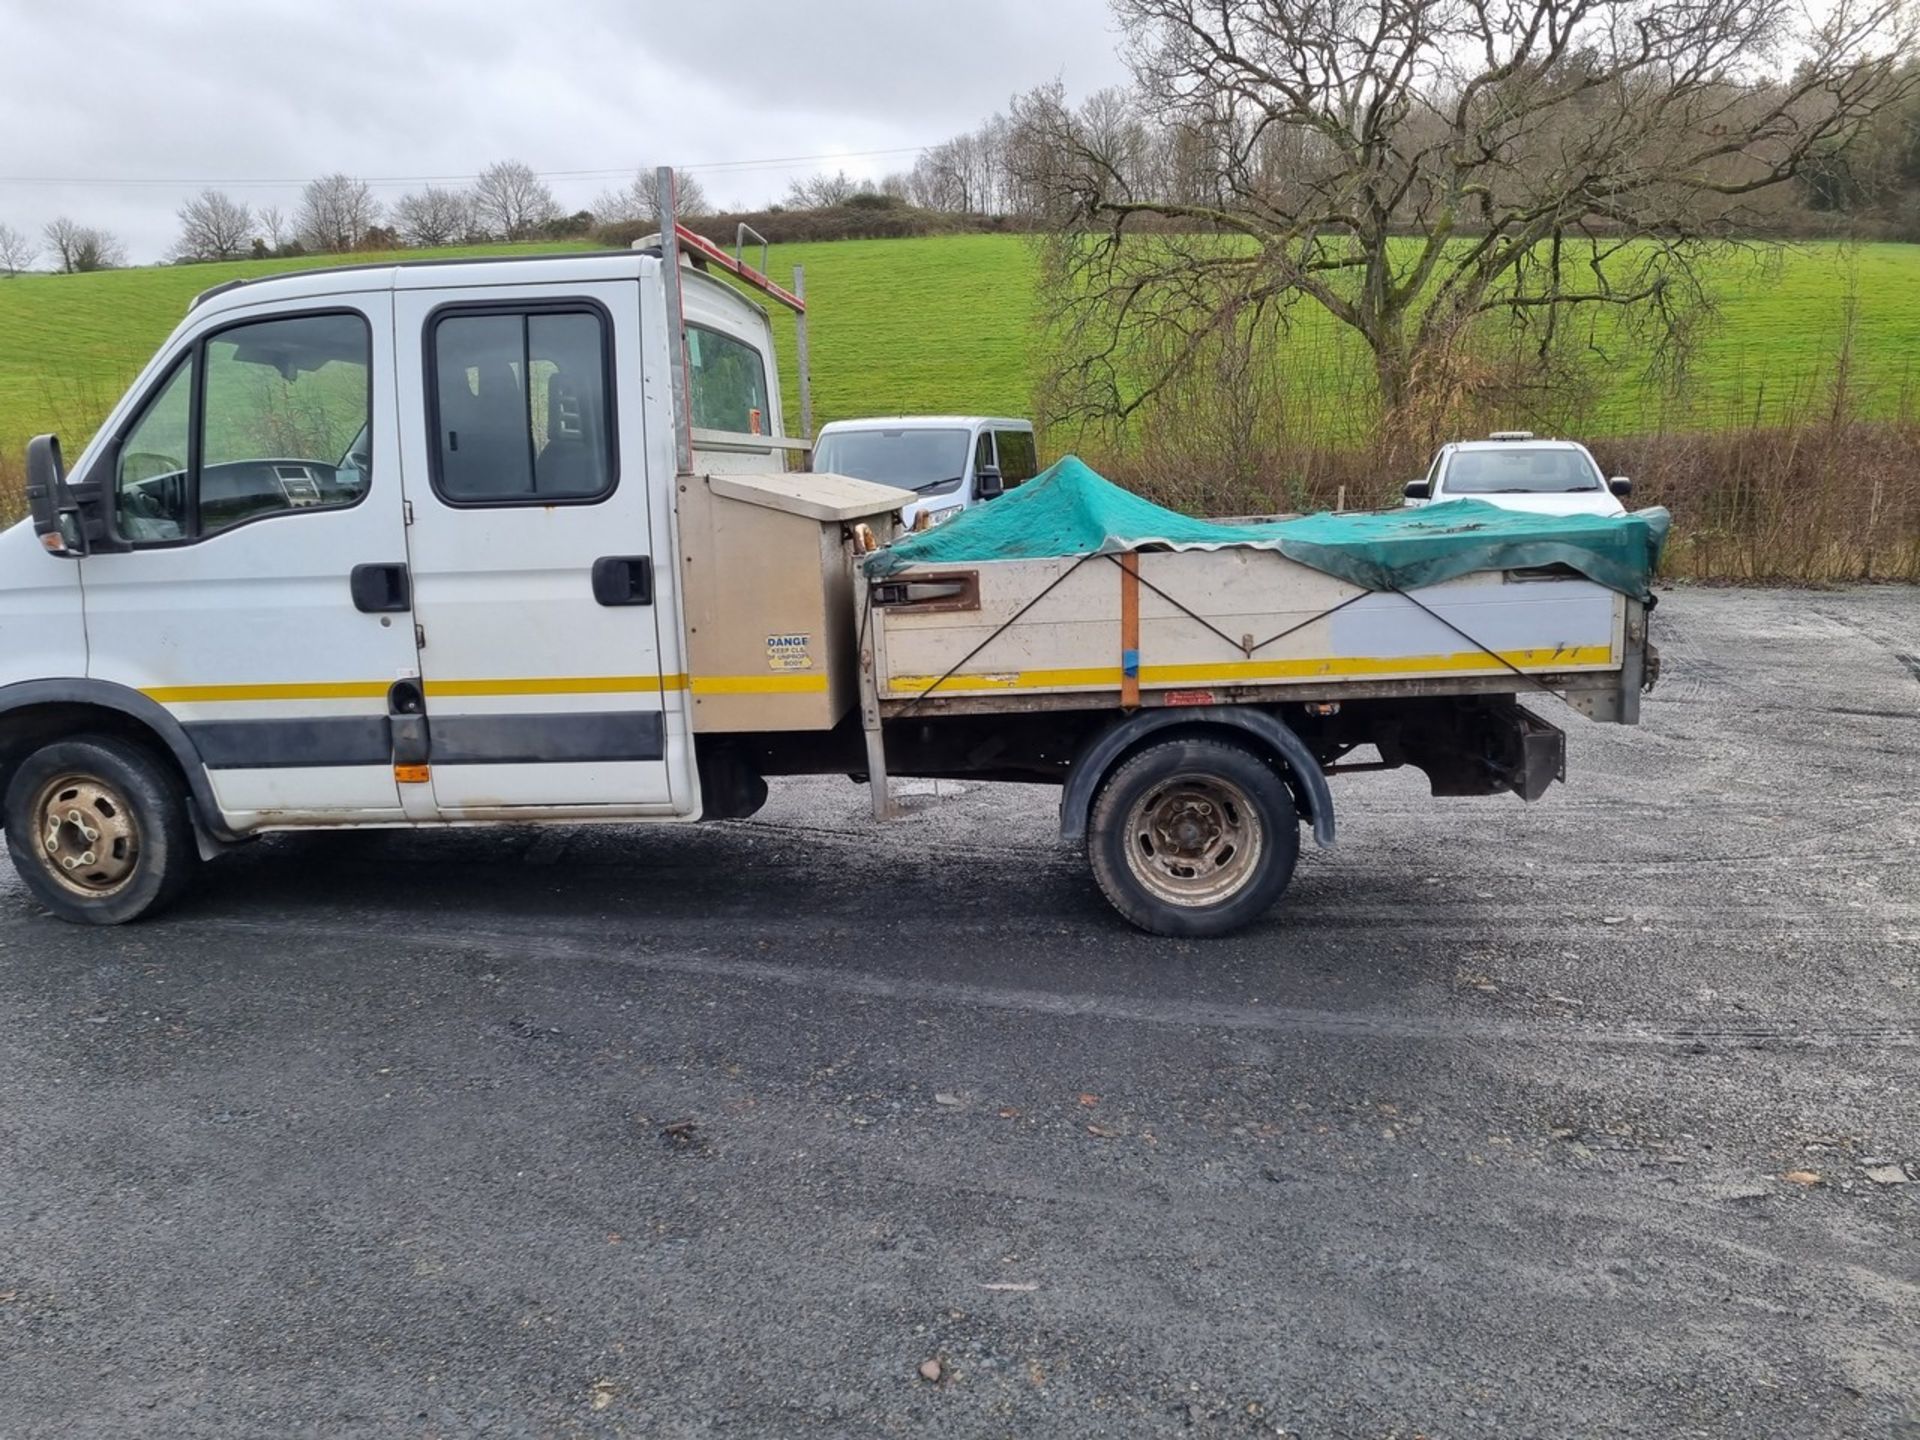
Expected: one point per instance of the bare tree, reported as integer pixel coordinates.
(433, 216)
(817, 192)
(955, 175)
(275, 224)
(79, 248)
(63, 239)
(639, 198)
(336, 212)
(213, 226)
(1542, 159)
(16, 251)
(512, 202)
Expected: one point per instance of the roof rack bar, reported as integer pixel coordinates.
(739, 269)
(741, 234)
(671, 232)
(800, 358)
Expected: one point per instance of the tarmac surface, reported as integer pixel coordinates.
(1590, 1117)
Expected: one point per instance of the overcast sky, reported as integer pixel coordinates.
(113, 112)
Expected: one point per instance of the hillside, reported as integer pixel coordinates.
(944, 324)
(897, 325)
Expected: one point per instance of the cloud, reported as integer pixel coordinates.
(132, 108)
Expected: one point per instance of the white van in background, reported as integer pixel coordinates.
(948, 461)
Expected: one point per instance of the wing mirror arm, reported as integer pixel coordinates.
(69, 518)
(51, 501)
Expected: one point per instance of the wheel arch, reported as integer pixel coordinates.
(33, 712)
(1259, 730)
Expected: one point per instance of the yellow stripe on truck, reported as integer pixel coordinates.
(802, 684)
(1242, 672)
(305, 690)
(559, 685)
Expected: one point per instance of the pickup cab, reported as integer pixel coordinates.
(525, 541)
(949, 462)
(1518, 471)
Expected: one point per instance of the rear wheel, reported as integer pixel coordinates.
(98, 829)
(1193, 837)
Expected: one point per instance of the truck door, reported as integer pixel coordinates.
(261, 594)
(532, 553)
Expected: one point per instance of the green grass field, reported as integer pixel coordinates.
(945, 324)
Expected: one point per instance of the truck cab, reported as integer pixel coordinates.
(399, 545)
(949, 462)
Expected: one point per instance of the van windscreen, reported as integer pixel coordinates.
(910, 459)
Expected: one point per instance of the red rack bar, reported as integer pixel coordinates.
(714, 255)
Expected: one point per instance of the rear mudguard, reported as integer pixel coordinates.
(1269, 734)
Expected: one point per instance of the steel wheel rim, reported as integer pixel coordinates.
(1194, 840)
(86, 834)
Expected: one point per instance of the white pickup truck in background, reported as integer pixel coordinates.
(1518, 471)
(949, 461)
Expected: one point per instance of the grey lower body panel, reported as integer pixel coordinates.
(546, 739)
(281, 744)
(274, 744)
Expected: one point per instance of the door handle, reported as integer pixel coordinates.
(623, 580)
(380, 589)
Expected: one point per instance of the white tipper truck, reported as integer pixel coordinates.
(522, 541)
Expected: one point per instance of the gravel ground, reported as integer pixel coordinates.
(1506, 1123)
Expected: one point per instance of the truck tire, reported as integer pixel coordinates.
(1193, 837)
(98, 828)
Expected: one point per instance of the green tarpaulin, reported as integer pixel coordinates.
(1069, 510)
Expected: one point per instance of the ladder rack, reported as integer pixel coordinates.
(676, 238)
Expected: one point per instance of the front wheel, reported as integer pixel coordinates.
(97, 827)
(1193, 837)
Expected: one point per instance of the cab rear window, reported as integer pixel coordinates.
(728, 381)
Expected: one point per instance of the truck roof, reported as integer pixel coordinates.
(464, 272)
(922, 422)
(1535, 442)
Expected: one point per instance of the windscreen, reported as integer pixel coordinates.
(1529, 471)
(910, 459)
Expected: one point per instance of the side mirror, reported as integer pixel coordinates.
(1419, 490)
(987, 482)
(56, 514)
(1621, 486)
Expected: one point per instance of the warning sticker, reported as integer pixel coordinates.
(788, 652)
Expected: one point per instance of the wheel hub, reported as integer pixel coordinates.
(87, 835)
(1195, 840)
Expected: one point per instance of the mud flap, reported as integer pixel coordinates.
(1542, 753)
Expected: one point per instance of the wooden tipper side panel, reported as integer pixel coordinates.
(1234, 617)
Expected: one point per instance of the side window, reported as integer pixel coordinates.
(729, 383)
(1019, 462)
(521, 406)
(284, 418)
(151, 500)
(282, 425)
(983, 452)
